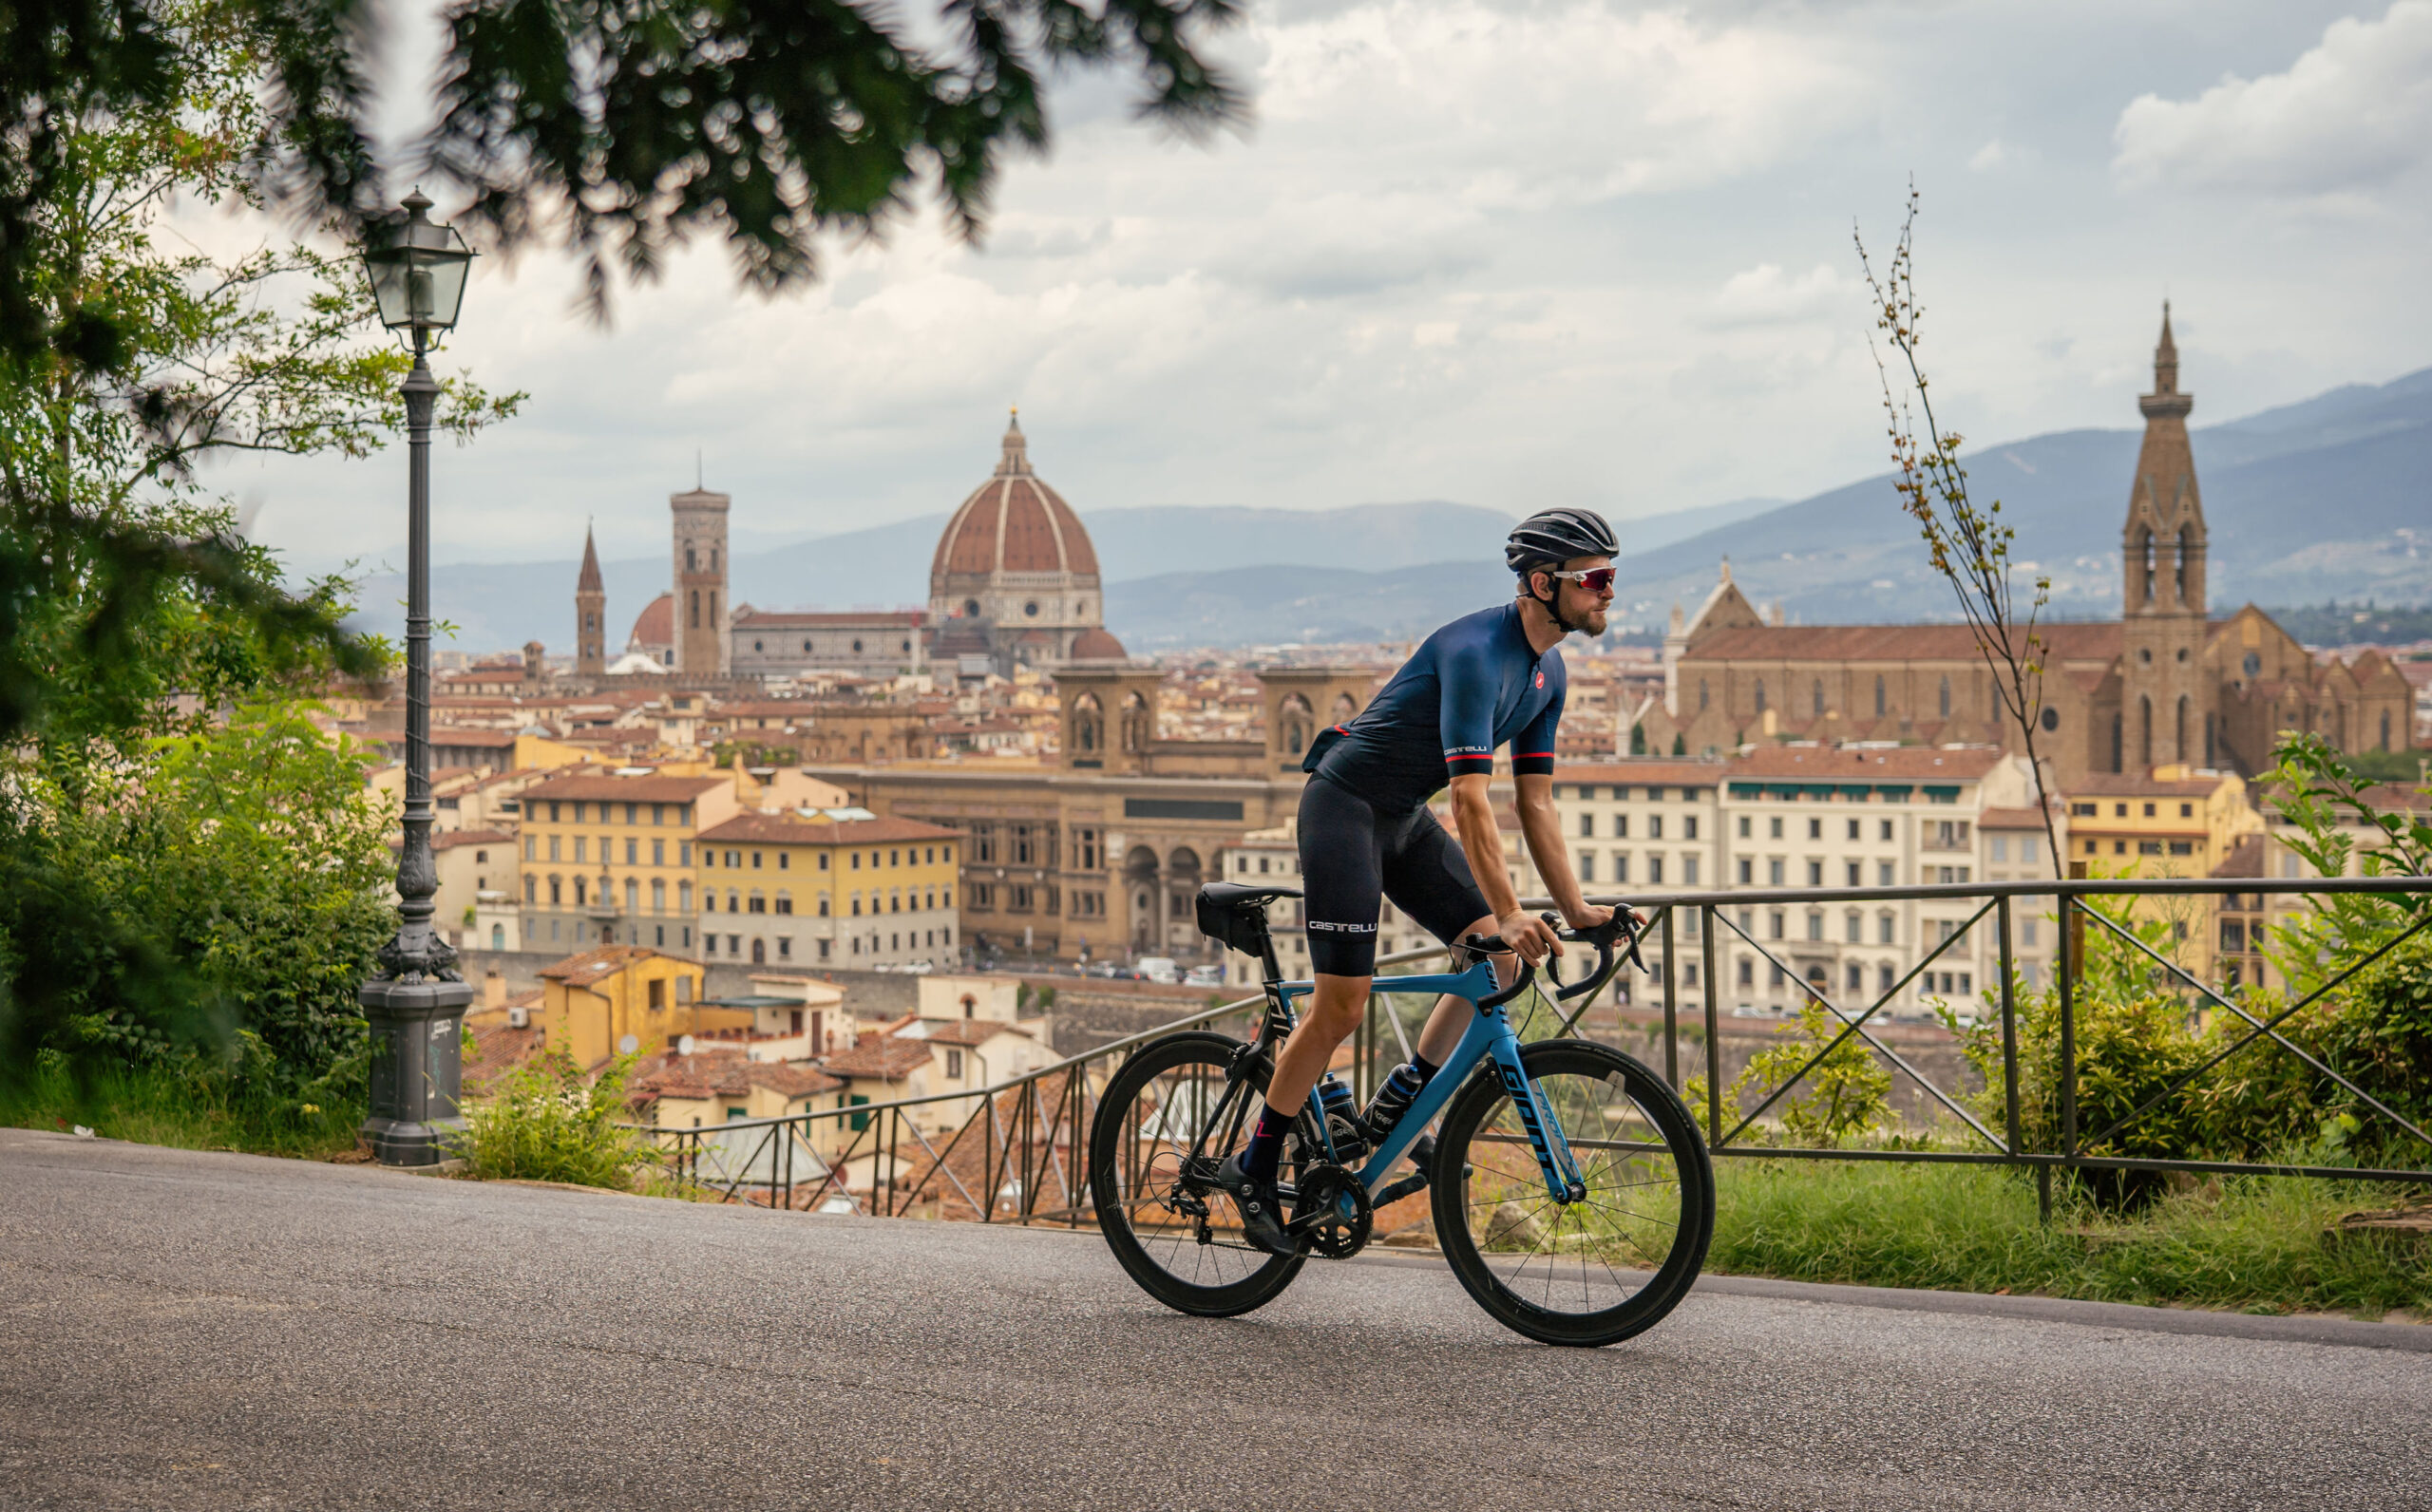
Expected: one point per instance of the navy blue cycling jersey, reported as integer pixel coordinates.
(1472, 686)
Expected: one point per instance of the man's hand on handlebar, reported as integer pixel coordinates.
(1531, 936)
(1590, 916)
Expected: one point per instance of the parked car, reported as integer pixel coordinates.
(1160, 969)
(1203, 977)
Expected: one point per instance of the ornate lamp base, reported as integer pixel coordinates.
(417, 1067)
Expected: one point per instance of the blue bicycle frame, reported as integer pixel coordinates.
(1490, 1034)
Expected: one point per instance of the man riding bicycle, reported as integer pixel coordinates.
(1366, 831)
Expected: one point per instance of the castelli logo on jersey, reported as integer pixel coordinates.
(1540, 677)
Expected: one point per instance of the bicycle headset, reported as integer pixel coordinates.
(1551, 537)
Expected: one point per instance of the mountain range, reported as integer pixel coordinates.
(2326, 499)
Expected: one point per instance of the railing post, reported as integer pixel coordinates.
(1671, 1013)
(1713, 1033)
(2072, 961)
(2009, 1026)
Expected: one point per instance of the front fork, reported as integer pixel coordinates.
(1564, 1182)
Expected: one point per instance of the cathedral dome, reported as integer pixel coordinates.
(1096, 645)
(1012, 523)
(656, 626)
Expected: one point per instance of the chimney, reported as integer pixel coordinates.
(493, 988)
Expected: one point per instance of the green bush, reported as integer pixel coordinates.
(545, 1123)
(205, 907)
(1845, 1096)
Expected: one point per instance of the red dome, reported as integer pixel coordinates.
(1096, 645)
(1013, 523)
(656, 625)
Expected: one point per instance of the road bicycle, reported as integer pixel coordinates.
(1572, 1193)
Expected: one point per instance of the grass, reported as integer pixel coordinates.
(2251, 1244)
(155, 1107)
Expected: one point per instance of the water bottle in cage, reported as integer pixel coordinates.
(1343, 1119)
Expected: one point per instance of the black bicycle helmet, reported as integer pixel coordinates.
(1556, 536)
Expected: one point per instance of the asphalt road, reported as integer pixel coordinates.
(221, 1330)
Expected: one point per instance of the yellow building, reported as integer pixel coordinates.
(625, 999)
(607, 858)
(2174, 820)
(828, 887)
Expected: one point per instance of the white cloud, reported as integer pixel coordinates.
(2355, 110)
(1765, 295)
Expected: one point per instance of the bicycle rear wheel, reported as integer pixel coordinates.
(1179, 1238)
(1588, 1272)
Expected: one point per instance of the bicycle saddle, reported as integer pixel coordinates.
(1233, 914)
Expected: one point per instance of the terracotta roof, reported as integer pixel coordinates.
(1013, 523)
(655, 625)
(791, 829)
(652, 789)
(729, 1073)
(1913, 762)
(2130, 785)
(883, 1060)
(452, 838)
(961, 1031)
(2100, 640)
(593, 965)
(497, 1050)
(2009, 819)
(2243, 860)
(1650, 771)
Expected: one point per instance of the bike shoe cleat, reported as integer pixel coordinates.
(1262, 1214)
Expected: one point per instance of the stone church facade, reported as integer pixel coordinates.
(2164, 684)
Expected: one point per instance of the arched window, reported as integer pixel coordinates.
(1760, 696)
(696, 609)
(1139, 724)
(633, 894)
(578, 892)
(531, 890)
(658, 895)
(1945, 698)
(498, 936)
(1819, 698)
(2144, 730)
(784, 901)
(2186, 550)
(1089, 725)
(2178, 739)
(2145, 552)
(1880, 702)
(684, 897)
(1299, 724)
(759, 950)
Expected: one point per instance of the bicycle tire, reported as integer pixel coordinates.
(1123, 1178)
(1496, 1171)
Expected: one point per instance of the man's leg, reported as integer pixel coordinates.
(1335, 1010)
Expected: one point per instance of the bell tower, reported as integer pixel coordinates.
(701, 608)
(590, 616)
(2163, 707)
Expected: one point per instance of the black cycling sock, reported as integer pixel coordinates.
(1425, 1068)
(1265, 1151)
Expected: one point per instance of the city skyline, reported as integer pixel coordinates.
(1598, 303)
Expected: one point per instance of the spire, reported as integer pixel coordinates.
(2165, 399)
(1016, 463)
(589, 581)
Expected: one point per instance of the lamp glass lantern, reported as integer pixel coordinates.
(418, 273)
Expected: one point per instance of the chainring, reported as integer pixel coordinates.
(1325, 1191)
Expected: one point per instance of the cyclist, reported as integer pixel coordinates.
(1366, 830)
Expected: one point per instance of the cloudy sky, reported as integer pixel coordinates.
(1505, 254)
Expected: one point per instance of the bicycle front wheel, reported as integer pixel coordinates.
(1179, 1237)
(1595, 1270)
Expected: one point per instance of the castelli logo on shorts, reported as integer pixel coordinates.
(1540, 677)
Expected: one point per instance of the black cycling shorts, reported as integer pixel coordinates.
(1352, 857)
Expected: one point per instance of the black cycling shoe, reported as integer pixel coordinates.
(1262, 1215)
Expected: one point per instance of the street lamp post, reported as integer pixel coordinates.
(415, 999)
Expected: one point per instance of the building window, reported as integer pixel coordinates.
(1688, 871)
(1887, 928)
(1655, 871)
(1853, 927)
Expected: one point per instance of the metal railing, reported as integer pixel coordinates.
(1019, 1153)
